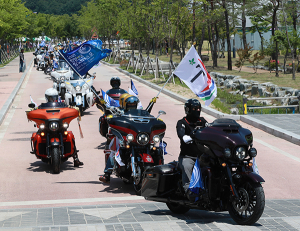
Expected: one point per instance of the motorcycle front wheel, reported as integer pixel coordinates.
(250, 206)
(55, 160)
(62, 93)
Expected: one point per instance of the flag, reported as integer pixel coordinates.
(133, 88)
(196, 180)
(254, 167)
(139, 106)
(20, 46)
(31, 100)
(38, 44)
(85, 56)
(193, 73)
(163, 146)
(55, 64)
(110, 102)
(114, 146)
(42, 44)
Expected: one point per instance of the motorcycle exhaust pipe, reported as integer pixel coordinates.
(166, 200)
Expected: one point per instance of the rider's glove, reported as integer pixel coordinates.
(102, 101)
(153, 100)
(187, 139)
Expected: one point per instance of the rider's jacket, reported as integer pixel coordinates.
(184, 127)
(115, 93)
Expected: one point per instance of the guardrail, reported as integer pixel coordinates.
(247, 107)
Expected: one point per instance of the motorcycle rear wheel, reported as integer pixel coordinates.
(252, 197)
(177, 208)
(55, 156)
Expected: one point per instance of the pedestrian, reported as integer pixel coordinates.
(21, 60)
(167, 47)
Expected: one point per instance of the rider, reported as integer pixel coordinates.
(189, 150)
(52, 98)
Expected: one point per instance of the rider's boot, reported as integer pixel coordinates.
(77, 162)
(105, 178)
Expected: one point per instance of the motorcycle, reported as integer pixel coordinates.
(139, 135)
(229, 181)
(79, 92)
(52, 143)
(59, 76)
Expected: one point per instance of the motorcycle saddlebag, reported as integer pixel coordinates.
(159, 179)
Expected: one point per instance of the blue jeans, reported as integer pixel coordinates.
(21, 65)
(109, 164)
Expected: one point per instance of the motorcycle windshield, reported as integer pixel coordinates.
(62, 66)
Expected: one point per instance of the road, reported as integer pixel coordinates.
(27, 183)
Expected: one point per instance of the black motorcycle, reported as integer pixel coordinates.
(229, 181)
(139, 134)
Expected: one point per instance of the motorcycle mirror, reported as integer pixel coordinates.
(31, 105)
(161, 112)
(94, 75)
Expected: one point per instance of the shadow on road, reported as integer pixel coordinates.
(39, 166)
(101, 146)
(118, 186)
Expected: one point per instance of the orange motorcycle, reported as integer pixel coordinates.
(52, 143)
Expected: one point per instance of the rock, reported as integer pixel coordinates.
(280, 93)
(267, 94)
(293, 102)
(235, 86)
(204, 57)
(220, 82)
(261, 90)
(290, 91)
(254, 90)
(234, 111)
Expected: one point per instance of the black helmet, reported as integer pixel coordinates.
(131, 103)
(192, 108)
(115, 82)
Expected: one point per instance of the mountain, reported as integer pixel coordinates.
(57, 7)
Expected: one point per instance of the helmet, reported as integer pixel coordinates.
(131, 103)
(115, 82)
(192, 108)
(122, 98)
(51, 95)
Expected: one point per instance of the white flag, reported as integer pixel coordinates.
(131, 92)
(193, 73)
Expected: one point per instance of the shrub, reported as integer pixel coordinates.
(124, 63)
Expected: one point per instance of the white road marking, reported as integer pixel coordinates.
(8, 215)
(278, 150)
(104, 213)
(71, 201)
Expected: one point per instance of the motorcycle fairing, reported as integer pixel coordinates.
(255, 178)
(54, 141)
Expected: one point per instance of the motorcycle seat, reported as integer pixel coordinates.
(166, 168)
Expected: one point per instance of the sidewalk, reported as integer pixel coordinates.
(10, 82)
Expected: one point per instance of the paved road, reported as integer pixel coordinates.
(28, 185)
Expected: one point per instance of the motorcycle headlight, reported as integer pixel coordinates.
(252, 152)
(42, 126)
(227, 152)
(156, 139)
(240, 153)
(62, 78)
(65, 125)
(143, 138)
(129, 137)
(85, 86)
(53, 126)
(77, 88)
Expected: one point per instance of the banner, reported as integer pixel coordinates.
(85, 56)
(110, 102)
(193, 73)
(196, 180)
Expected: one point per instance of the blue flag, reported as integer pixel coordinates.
(42, 44)
(85, 56)
(110, 102)
(133, 88)
(55, 64)
(163, 146)
(196, 180)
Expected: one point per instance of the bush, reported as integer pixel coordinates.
(272, 64)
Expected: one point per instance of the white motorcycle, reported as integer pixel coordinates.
(79, 92)
(59, 76)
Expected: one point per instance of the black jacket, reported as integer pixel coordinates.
(185, 127)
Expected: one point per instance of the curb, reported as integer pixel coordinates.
(273, 130)
(12, 96)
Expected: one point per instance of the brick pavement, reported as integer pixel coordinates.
(152, 216)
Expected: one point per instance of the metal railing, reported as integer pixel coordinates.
(247, 107)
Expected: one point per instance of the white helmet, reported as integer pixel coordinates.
(51, 95)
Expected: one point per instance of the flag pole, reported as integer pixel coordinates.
(164, 84)
(79, 75)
